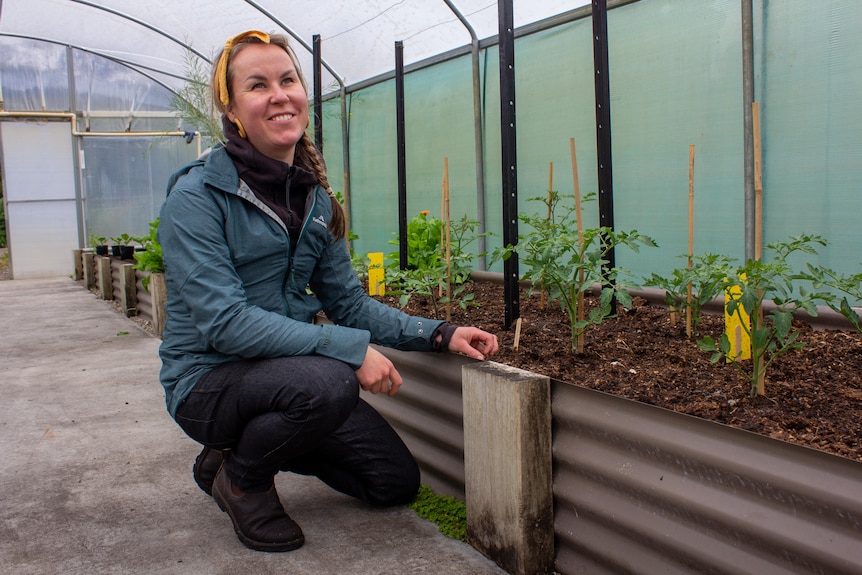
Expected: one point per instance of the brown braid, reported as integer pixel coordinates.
(311, 158)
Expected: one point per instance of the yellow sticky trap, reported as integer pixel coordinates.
(740, 342)
(376, 285)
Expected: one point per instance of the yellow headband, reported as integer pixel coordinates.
(221, 68)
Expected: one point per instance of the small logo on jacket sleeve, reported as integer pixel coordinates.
(319, 220)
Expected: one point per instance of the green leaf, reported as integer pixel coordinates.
(707, 344)
(782, 320)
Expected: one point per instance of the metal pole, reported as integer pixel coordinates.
(345, 151)
(318, 93)
(603, 119)
(402, 154)
(478, 131)
(77, 151)
(511, 292)
(748, 124)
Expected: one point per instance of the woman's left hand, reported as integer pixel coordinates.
(473, 342)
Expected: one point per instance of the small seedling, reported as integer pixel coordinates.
(693, 287)
(568, 263)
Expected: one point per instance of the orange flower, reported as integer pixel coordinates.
(424, 212)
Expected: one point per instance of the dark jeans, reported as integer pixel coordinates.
(300, 414)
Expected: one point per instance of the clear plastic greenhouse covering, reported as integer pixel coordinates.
(154, 37)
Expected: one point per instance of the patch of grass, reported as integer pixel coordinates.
(448, 513)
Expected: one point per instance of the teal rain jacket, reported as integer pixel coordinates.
(236, 290)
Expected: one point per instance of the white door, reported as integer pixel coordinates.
(39, 191)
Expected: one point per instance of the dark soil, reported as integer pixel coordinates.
(813, 396)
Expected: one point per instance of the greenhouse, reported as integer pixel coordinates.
(724, 129)
(90, 89)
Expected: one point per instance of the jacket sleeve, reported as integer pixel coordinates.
(346, 303)
(211, 298)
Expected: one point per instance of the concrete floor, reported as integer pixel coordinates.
(96, 477)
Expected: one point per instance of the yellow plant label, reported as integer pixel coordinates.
(740, 341)
(376, 285)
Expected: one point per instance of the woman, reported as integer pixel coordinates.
(254, 247)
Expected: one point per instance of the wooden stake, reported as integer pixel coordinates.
(688, 318)
(758, 185)
(447, 238)
(517, 334)
(550, 200)
(579, 346)
(758, 223)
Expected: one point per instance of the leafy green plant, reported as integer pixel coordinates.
(462, 234)
(448, 513)
(568, 264)
(705, 279)
(151, 259)
(358, 262)
(851, 285)
(427, 269)
(123, 240)
(192, 102)
(97, 240)
(772, 335)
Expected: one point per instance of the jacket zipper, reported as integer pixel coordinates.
(289, 276)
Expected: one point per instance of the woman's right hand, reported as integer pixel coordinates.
(377, 374)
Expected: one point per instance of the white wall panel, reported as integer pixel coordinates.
(39, 188)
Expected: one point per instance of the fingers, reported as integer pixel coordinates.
(395, 382)
(378, 375)
(474, 342)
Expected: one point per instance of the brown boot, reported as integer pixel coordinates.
(258, 518)
(206, 465)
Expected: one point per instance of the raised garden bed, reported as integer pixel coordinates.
(813, 396)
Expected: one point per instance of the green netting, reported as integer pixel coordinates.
(676, 80)
(810, 82)
(437, 98)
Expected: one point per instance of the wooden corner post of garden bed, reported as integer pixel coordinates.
(508, 466)
(78, 262)
(89, 271)
(159, 292)
(103, 275)
(128, 291)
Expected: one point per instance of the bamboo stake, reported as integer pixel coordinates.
(550, 199)
(579, 346)
(688, 318)
(758, 185)
(440, 286)
(758, 227)
(517, 334)
(447, 238)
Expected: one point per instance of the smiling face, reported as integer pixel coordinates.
(268, 99)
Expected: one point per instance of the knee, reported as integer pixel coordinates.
(341, 388)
